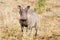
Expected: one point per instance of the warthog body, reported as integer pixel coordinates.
(27, 19)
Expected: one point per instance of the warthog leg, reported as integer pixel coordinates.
(35, 29)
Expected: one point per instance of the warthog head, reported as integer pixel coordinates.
(23, 12)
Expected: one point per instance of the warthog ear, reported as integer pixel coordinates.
(20, 8)
(28, 7)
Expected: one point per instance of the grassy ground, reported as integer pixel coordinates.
(48, 23)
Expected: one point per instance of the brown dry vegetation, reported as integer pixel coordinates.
(48, 22)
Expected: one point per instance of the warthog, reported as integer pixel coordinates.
(27, 18)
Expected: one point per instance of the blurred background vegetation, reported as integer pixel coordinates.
(40, 4)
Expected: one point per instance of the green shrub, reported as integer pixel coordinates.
(40, 4)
